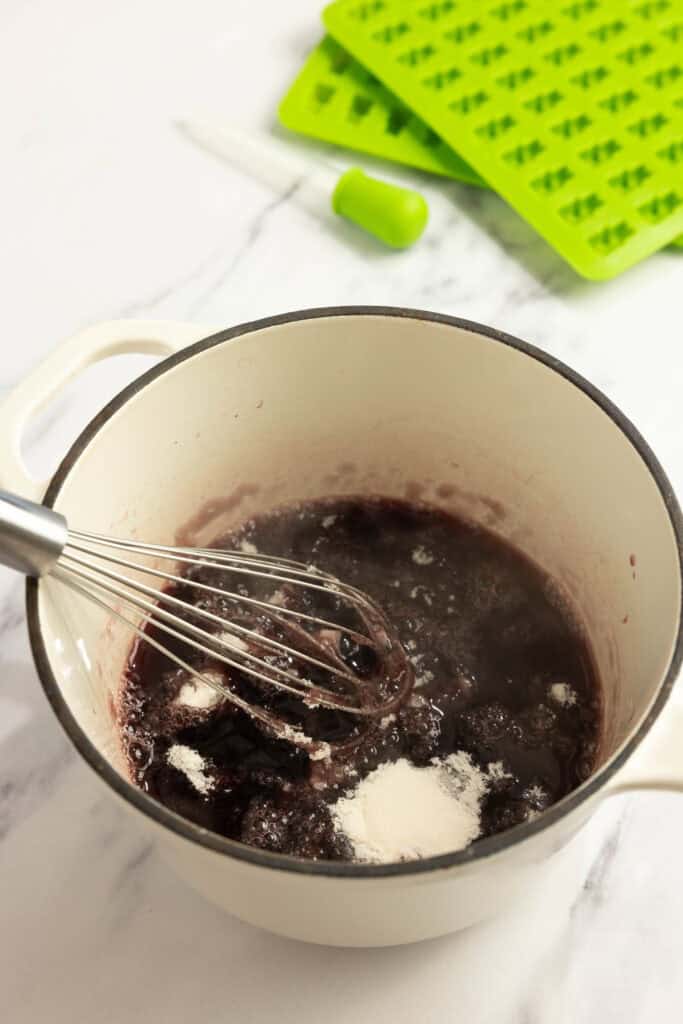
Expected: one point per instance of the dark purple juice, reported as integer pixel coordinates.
(502, 671)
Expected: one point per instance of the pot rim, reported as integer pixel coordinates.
(484, 848)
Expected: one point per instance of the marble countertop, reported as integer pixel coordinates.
(107, 211)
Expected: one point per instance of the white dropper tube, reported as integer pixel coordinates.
(395, 215)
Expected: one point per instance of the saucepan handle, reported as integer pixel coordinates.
(62, 365)
(658, 762)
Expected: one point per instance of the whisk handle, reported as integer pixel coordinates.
(32, 537)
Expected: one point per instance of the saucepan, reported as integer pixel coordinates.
(352, 401)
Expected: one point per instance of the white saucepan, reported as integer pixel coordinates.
(378, 401)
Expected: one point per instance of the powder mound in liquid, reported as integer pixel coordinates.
(563, 694)
(192, 765)
(199, 695)
(402, 812)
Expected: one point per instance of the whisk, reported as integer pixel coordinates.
(293, 651)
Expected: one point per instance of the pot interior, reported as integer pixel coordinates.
(376, 404)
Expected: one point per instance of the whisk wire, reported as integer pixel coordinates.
(333, 586)
(165, 620)
(291, 649)
(265, 717)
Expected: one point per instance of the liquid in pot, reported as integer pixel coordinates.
(504, 682)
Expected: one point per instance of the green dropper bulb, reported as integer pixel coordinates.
(397, 216)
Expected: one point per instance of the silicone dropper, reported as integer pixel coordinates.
(396, 216)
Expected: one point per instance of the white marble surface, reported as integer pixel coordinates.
(107, 211)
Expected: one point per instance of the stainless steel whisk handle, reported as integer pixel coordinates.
(32, 537)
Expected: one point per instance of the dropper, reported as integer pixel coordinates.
(396, 216)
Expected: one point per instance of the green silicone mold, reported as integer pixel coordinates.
(335, 99)
(574, 113)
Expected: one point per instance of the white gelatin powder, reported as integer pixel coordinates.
(563, 694)
(402, 812)
(421, 556)
(200, 695)
(193, 766)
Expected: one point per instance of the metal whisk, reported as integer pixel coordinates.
(291, 651)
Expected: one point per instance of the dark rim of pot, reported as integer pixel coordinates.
(194, 833)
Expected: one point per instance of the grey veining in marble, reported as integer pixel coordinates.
(108, 211)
